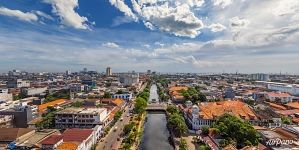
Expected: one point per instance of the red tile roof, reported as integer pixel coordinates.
(77, 135)
(211, 110)
(11, 134)
(51, 140)
(276, 106)
(294, 105)
(288, 112)
(278, 94)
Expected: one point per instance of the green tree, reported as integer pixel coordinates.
(117, 115)
(177, 124)
(194, 95)
(128, 128)
(140, 105)
(107, 95)
(77, 104)
(234, 129)
(286, 120)
(119, 92)
(205, 130)
(183, 144)
(172, 109)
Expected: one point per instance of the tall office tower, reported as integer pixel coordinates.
(108, 71)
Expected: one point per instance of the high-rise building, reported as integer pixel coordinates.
(261, 77)
(129, 79)
(108, 71)
(85, 70)
(149, 71)
(68, 72)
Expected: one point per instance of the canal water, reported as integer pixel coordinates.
(155, 135)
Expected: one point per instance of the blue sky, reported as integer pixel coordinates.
(162, 35)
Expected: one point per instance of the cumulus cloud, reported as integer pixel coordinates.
(238, 22)
(24, 16)
(216, 27)
(175, 18)
(120, 4)
(110, 45)
(222, 3)
(65, 9)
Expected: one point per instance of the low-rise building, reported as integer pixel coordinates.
(279, 97)
(71, 139)
(175, 93)
(17, 83)
(125, 96)
(81, 117)
(35, 91)
(206, 113)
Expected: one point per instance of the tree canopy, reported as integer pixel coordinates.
(177, 124)
(233, 129)
(194, 95)
(140, 105)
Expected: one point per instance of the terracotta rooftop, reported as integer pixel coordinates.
(43, 107)
(76, 135)
(178, 88)
(118, 102)
(51, 140)
(288, 112)
(175, 92)
(68, 146)
(278, 94)
(11, 134)
(294, 105)
(276, 106)
(211, 110)
(113, 112)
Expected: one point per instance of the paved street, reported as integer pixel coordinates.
(110, 140)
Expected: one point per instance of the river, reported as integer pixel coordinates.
(156, 134)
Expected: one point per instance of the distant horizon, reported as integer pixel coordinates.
(144, 71)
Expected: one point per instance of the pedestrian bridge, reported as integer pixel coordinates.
(156, 107)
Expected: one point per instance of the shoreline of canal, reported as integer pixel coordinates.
(156, 131)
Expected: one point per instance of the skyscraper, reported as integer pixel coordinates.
(108, 71)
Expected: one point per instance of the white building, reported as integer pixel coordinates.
(129, 79)
(125, 96)
(81, 117)
(35, 91)
(284, 87)
(206, 113)
(2, 90)
(76, 87)
(278, 96)
(17, 83)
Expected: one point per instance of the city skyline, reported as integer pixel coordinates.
(164, 36)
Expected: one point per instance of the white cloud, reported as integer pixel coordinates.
(120, 4)
(237, 22)
(121, 20)
(222, 3)
(24, 16)
(175, 18)
(42, 14)
(65, 9)
(216, 27)
(110, 45)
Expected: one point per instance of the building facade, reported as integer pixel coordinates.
(125, 96)
(81, 118)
